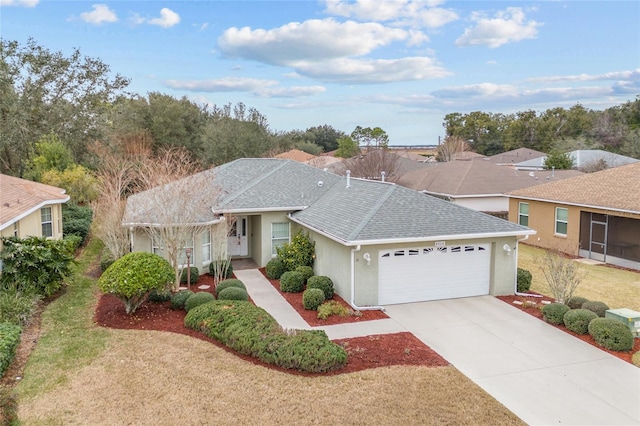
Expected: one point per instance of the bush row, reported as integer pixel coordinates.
(250, 330)
(9, 339)
(229, 289)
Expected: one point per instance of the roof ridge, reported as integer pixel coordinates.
(464, 177)
(255, 182)
(372, 212)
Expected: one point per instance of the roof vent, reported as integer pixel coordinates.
(348, 178)
(320, 184)
(382, 175)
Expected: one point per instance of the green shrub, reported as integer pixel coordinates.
(611, 334)
(197, 299)
(575, 302)
(133, 276)
(524, 280)
(332, 307)
(76, 220)
(274, 269)
(635, 359)
(299, 252)
(577, 320)
(323, 283)
(73, 242)
(306, 271)
(231, 282)
(312, 298)
(218, 266)
(600, 308)
(233, 293)
(309, 351)
(554, 313)
(8, 406)
(9, 339)
(178, 299)
(16, 306)
(159, 296)
(106, 259)
(291, 282)
(194, 275)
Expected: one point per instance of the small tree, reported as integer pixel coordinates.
(559, 161)
(563, 276)
(451, 146)
(372, 163)
(347, 147)
(133, 276)
(301, 251)
(221, 261)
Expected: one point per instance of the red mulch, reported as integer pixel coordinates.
(364, 352)
(533, 308)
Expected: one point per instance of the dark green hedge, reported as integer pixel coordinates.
(9, 339)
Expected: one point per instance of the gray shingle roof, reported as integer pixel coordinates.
(583, 158)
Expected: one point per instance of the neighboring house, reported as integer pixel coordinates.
(509, 158)
(296, 155)
(582, 158)
(380, 243)
(477, 184)
(595, 215)
(30, 208)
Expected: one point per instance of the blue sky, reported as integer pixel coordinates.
(401, 65)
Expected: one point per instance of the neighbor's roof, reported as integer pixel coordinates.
(515, 156)
(296, 155)
(617, 188)
(477, 177)
(584, 157)
(20, 197)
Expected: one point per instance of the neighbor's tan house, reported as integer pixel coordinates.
(596, 215)
(30, 208)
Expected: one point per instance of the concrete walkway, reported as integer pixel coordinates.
(542, 374)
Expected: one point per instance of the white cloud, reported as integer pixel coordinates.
(136, 19)
(168, 18)
(507, 26)
(100, 13)
(23, 3)
(257, 87)
(633, 75)
(291, 92)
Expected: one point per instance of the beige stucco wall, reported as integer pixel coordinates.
(31, 225)
(262, 253)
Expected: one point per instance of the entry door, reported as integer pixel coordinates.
(237, 243)
(598, 237)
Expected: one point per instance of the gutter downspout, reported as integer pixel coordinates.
(526, 237)
(352, 301)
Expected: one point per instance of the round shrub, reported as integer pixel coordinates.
(577, 320)
(594, 306)
(306, 271)
(194, 275)
(611, 334)
(219, 265)
(179, 298)
(274, 269)
(159, 296)
(292, 282)
(197, 299)
(554, 313)
(323, 283)
(524, 280)
(231, 282)
(233, 293)
(312, 298)
(575, 302)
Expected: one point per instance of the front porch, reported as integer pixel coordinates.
(611, 239)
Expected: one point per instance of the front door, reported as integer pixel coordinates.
(237, 243)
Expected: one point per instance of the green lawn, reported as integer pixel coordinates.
(618, 288)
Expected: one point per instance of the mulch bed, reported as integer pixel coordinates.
(364, 352)
(532, 306)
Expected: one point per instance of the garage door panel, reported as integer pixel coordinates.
(433, 273)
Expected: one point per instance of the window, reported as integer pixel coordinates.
(206, 246)
(47, 222)
(157, 247)
(279, 236)
(523, 214)
(562, 216)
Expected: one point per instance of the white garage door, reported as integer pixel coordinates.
(432, 273)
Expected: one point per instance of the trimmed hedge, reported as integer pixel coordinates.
(575, 302)
(524, 280)
(554, 313)
(250, 330)
(577, 320)
(600, 308)
(178, 300)
(275, 268)
(291, 282)
(233, 293)
(193, 277)
(611, 334)
(9, 340)
(230, 282)
(306, 271)
(197, 299)
(312, 298)
(159, 296)
(323, 283)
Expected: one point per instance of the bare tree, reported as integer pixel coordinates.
(563, 276)
(451, 146)
(371, 164)
(220, 260)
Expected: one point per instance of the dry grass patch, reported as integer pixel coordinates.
(618, 288)
(148, 377)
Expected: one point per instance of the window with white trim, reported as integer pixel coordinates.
(280, 234)
(157, 247)
(523, 214)
(206, 246)
(46, 220)
(562, 220)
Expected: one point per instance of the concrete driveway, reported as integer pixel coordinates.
(542, 374)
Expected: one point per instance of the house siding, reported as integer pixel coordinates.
(31, 225)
